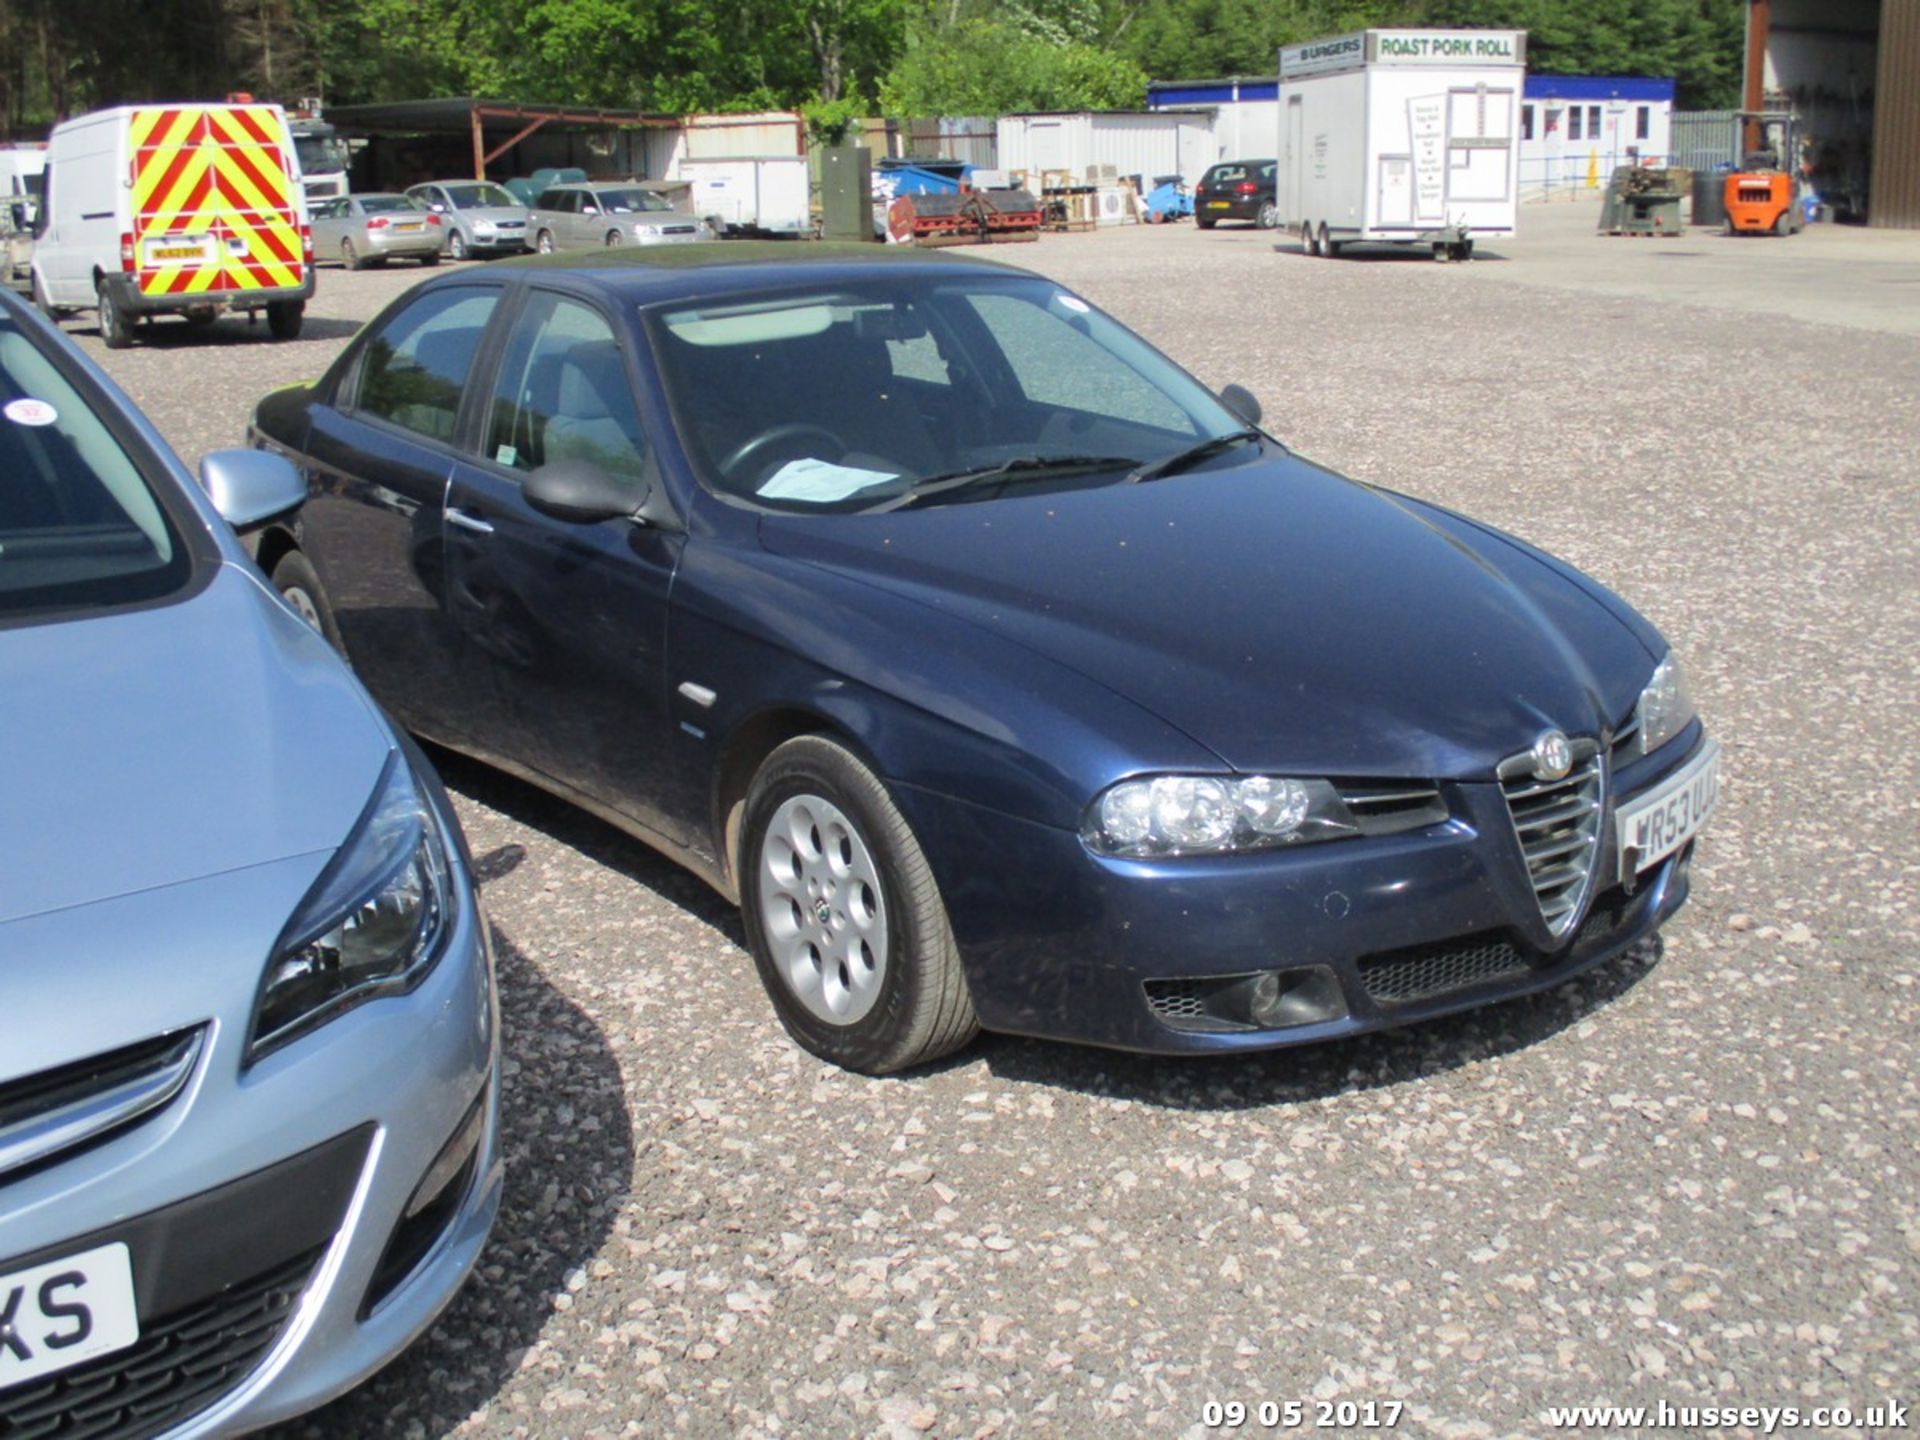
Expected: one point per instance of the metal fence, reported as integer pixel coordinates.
(1573, 174)
(1703, 139)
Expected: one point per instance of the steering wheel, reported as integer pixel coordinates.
(792, 431)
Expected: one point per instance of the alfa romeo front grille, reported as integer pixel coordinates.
(52, 1114)
(1558, 823)
(1401, 977)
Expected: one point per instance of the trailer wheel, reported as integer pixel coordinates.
(114, 329)
(1324, 249)
(1309, 238)
(284, 318)
(1330, 247)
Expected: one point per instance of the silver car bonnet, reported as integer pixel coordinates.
(160, 745)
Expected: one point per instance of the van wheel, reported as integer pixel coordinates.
(114, 326)
(350, 257)
(843, 917)
(284, 318)
(544, 242)
(293, 576)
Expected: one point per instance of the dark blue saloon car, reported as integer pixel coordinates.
(1003, 674)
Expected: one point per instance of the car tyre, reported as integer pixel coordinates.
(1269, 217)
(842, 915)
(1203, 221)
(299, 585)
(284, 318)
(543, 242)
(614, 239)
(456, 246)
(350, 257)
(115, 329)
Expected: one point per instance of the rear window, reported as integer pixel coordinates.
(387, 204)
(80, 528)
(624, 202)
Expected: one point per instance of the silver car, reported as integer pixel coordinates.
(249, 1045)
(597, 213)
(478, 217)
(363, 230)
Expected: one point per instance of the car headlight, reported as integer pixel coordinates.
(646, 234)
(483, 227)
(1211, 814)
(372, 923)
(1665, 708)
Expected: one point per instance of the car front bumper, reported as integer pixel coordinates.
(275, 1263)
(1063, 944)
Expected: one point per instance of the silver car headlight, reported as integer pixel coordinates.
(1212, 814)
(371, 925)
(1665, 708)
(647, 234)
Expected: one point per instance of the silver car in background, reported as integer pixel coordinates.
(363, 230)
(479, 217)
(608, 213)
(249, 1045)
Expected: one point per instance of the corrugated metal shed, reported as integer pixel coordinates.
(1147, 143)
(1896, 118)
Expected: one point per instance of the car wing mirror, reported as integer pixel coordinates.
(581, 492)
(1241, 402)
(251, 487)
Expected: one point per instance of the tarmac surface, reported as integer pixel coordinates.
(1690, 1177)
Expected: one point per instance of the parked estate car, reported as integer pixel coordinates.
(479, 217)
(1237, 190)
(363, 230)
(593, 214)
(1004, 674)
(249, 1079)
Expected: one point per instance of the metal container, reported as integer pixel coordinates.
(1710, 198)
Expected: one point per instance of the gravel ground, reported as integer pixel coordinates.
(1690, 1177)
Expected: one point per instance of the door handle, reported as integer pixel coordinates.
(457, 516)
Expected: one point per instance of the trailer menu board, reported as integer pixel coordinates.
(1404, 47)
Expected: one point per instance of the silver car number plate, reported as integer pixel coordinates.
(1656, 825)
(66, 1312)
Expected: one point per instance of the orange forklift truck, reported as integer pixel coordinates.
(1764, 195)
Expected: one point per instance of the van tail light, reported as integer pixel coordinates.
(377, 222)
(1246, 187)
(126, 252)
(306, 243)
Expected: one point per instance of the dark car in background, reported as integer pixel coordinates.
(1004, 674)
(1237, 190)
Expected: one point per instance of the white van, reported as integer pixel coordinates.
(22, 171)
(185, 209)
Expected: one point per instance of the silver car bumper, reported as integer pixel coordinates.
(318, 1151)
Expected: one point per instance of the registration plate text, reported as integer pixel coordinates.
(65, 1312)
(1659, 824)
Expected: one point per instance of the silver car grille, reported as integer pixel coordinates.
(1558, 825)
(47, 1116)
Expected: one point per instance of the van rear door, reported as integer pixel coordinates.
(215, 209)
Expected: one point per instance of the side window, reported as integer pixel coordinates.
(1526, 122)
(1643, 123)
(416, 364)
(563, 393)
(1573, 122)
(1056, 365)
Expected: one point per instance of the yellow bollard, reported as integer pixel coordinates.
(1593, 169)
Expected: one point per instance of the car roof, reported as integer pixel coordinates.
(666, 272)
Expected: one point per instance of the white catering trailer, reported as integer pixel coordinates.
(1406, 137)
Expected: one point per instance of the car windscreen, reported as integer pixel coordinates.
(480, 197)
(80, 527)
(848, 398)
(387, 204)
(625, 202)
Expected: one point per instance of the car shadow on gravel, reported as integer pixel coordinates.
(1315, 1072)
(232, 330)
(569, 1147)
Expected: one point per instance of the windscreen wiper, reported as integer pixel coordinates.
(1023, 466)
(1193, 455)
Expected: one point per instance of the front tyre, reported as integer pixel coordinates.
(843, 917)
(456, 246)
(544, 243)
(294, 577)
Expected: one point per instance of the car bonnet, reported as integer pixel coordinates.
(1282, 616)
(158, 745)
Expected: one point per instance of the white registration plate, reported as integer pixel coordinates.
(410, 225)
(66, 1312)
(1656, 825)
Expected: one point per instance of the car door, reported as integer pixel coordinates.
(382, 450)
(564, 624)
